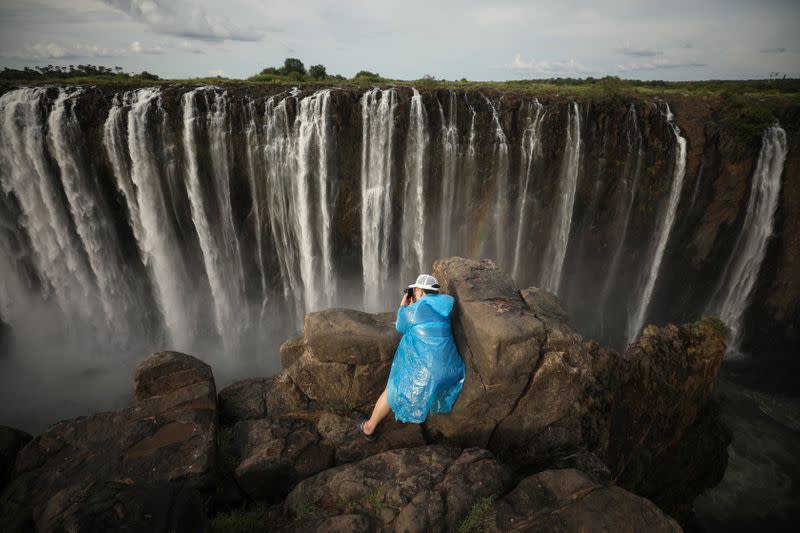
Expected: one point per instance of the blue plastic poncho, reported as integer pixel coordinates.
(427, 373)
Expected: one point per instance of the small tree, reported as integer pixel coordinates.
(291, 64)
(317, 72)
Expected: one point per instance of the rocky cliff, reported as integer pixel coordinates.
(550, 432)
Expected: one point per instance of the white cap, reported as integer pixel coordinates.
(425, 281)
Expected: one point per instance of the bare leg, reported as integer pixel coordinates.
(379, 412)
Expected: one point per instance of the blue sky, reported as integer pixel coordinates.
(479, 40)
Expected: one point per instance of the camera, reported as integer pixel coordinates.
(410, 292)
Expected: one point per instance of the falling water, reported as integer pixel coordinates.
(377, 115)
(736, 284)
(254, 174)
(149, 211)
(412, 260)
(636, 321)
(568, 179)
(500, 211)
(530, 149)
(450, 160)
(630, 183)
(213, 219)
(465, 193)
(311, 142)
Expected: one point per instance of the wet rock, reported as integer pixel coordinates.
(568, 500)
(344, 358)
(260, 397)
(68, 476)
(277, 453)
(11, 442)
(429, 488)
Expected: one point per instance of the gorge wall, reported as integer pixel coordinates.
(183, 214)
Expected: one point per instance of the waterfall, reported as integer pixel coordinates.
(530, 149)
(212, 217)
(279, 163)
(311, 142)
(148, 210)
(450, 159)
(117, 291)
(465, 193)
(568, 182)
(254, 170)
(738, 280)
(636, 321)
(377, 116)
(499, 177)
(412, 259)
(630, 181)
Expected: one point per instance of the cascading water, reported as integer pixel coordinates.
(377, 115)
(645, 293)
(450, 162)
(412, 259)
(465, 193)
(530, 149)
(495, 245)
(568, 180)
(738, 280)
(213, 217)
(630, 183)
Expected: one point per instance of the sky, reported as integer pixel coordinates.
(408, 39)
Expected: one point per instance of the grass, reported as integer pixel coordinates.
(240, 521)
(718, 325)
(304, 510)
(477, 515)
(372, 499)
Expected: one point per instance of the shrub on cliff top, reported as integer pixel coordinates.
(719, 326)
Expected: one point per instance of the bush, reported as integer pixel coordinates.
(292, 65)
(148, 76)
(317, 72)
(719, 326)
(367, 76)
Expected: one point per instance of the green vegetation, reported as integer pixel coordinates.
(477, 515)
(51, 74)
(719, 326)
(304, 510)
(373, 499)
(240, 521)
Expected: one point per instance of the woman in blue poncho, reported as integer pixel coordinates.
(427, 374)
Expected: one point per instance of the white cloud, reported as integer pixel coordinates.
(659, 63)
(218, 72)
(547, 67)
(183, 19)
(51, 50)
(137, 48)
(628, 50)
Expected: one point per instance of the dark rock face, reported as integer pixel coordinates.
(567, 500)
(547, 393)
(344, 357)
(11, 442)
(276, 453)
(430, 488)
(107, 469)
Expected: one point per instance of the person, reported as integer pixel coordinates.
(427, 373)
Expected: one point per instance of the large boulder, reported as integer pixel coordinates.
(11, 442)
(544, 393)
(429, 488)
(568, 500)
(276, 453)
(66, 477)
(343, 358)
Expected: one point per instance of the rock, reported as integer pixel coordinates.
(11, 442)
(260, 397)
(277, 453)
(68, 476)
(568, 500)
(429, 488)
(344, 359)
(545, 394)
